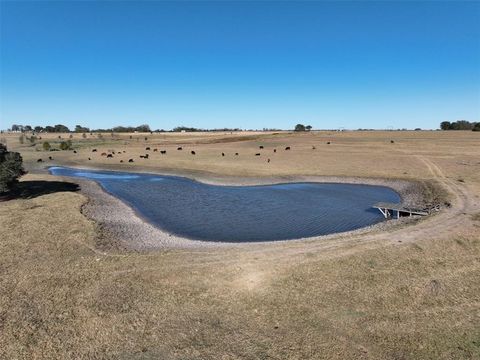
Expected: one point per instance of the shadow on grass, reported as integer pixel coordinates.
(34, 188)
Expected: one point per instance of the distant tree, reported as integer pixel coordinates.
(308, 127)
(49, 128)
(46, 146)
(81, 129)
(27, 128)
(299, 127)
(143, 128)
(61, 128)
(445, 125)
(11, 168)
(462, 125)
(476, 127)
(457, 125)
(16, 127)
(38, 129)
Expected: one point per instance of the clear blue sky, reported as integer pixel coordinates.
(239, 64)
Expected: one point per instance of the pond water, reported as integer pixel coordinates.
(242, 213)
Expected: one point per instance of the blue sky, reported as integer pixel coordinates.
(239, 64)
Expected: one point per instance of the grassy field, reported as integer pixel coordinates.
(410, 293)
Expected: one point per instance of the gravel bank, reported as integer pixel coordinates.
(120, 227)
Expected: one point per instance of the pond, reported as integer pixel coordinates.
(199, 211)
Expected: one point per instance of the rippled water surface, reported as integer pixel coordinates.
(242, 213)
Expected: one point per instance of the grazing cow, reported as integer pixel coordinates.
(94, 150)
(223, 154)
(74, 151)
(163, 152)
(109, 156)
(179, 148)
(124, 151)
(257, 154)
(274, 150)
(39, 160)
(328, 142)
(236, 154)
(392, 142)
(141, 156)
(121, 161)
(147, 148)
(103, 154)
(50, 158)
(89, 159)
(268, 160)
(287, 148)
(261, 146)
(155, 150)
(192, 152)
(113, 152)
(146, 156)
(313, 147)
(130, 160)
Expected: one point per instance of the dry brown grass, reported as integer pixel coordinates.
(412, 293)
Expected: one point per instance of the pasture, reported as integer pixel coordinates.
(411, 292)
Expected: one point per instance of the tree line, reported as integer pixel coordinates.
(59, 128)
(460, 125)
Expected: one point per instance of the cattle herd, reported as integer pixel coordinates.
(110, 153)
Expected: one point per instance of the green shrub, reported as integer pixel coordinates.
(66, 145)
(46, 146)
(10, 168)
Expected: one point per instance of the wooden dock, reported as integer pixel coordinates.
(396, 211)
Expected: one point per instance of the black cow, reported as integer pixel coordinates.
(268, 160)
(163, 152)
(130, 160)
(50, 158)
(94, 150)
(109, 156)
(192, 152)
(287, 148)
(147, 148)
(257, 154)
(313, 147)
(39, 160)
(236, 154)
(155, 150)
(274, 150)
(328, 142)
(223, 154)
(392, 142)
(261, 146)
(179, 148)
(74, 151)
(89, 159)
